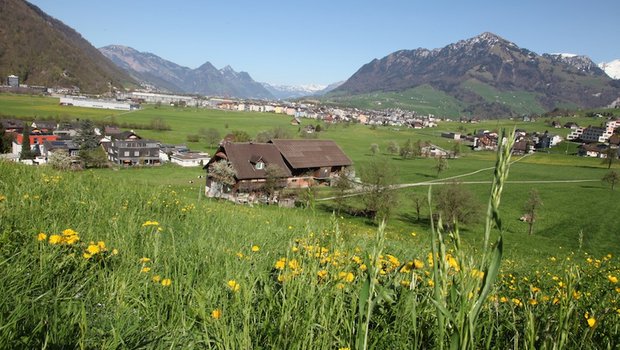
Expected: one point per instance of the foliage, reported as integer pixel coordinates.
(441, 164)
(222, 172)
(241, 136)
(611, 155)
(6, 140)
(393, 147)
(379, 200)
(374, 149)
(86, 138)
(456, 204)
(60, 160)
(275, 133)
(26, 152)
(408, 150)
(193, 138)
(159, 124)
(211, 136)
(93, 158)
(612, 178)
(273, 179)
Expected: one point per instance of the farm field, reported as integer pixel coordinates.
(150, 263)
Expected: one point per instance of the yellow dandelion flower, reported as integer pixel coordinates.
(69, 232)
(255, 248)
(419, 264)
(114, 251)
(239, 255)
(346, 276)
(150, 223)
(612, 279)
(340, 286)
(70, 240)
(293, 264)
(453, 263)
(101, 245)
(591, 322)
(618, 289)
(166, 282)
(280, 264)
(93, 249)
(413, 234)
(41, 236)
(216, 314)
(87, 256)
(233, 286)
(363, 267)
(145, 269)
(535, 289)
(516, 301)
(295, 249)
(533, 302)
(431, 283)
(144, 260)
(555, 301)
(345, 348)
(503, 300)
(156, 278)
(322, 274)
(55, 239)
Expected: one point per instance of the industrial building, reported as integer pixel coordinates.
(102, 104)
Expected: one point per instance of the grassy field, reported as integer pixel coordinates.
(138, 258)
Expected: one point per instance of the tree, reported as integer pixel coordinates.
(222, 174)
(86, 138)
(159, 124)
(211, 136)
(341, 185)
(378, 199)
(418, 203)
(611, 155)
(374, 149)
(26, 152)
(456, 149)
(456, 204)
(407, 150)
(273, 179)
(440, 165)
(393, 147)
(60, 160)
(533, 203)
(93, 158)
(241, 136)
(6, 140)
(612, 178)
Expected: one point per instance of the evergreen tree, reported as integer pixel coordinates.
(86, 138)
(26, 151)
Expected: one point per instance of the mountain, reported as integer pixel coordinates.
(42, 50)
(485, 76)
(611, 68)
(204, 80)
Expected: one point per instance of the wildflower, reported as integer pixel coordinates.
(533, 302)
(255, 248)
(612, 279)
(144, 260)
(591, 322)
(114, 251)
(239, 255)
(145, 269)
(453, 263)
(233, 286)
(345, 348)
(2, 198)
(69, 232)
(431, 283)
(150, 223)
(87, 256)
(280, 264)
(363, 267)
(346, 276)
(293, 264)
(55, 239)
(419, 264)
(516, 301)
(322, 274)
(295, 249)
(93, 249)
(216, 314)
(503, 299)
(535, 289)
(413, 234)
(101, 245)
(340, 286)
(41, 236)
(71, 239)
(166, 282)
(156, 278)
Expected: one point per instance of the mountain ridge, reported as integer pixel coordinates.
(167, 75)
(42, 50)
(489, 62)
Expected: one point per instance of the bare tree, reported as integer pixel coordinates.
(441, 165)
(456, 204)
(374, 149)
(531, 206)
(418, 203)
(379, 200)
(612, 178)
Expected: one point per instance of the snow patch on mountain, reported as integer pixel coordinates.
(611, 68)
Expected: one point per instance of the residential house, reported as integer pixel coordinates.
(593, 150)
(433, 151)
(35, 141)
(127, 148)
(49, 147)
(190, 159)
(299, 164)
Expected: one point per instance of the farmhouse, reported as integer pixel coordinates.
(279, 164)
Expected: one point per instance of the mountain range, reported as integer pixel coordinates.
(42, 50)
(481, 75)
(204, 80)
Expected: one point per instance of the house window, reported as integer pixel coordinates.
(136, 153)
(126, 154)
(259, 166)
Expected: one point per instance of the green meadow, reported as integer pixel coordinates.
(139, 258)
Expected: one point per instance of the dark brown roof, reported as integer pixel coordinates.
(243, 157)
(302, 154)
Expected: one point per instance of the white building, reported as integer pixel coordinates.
(190, 159)
(102, 104)
(150, 97)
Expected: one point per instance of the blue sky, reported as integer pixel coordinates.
(321, 42)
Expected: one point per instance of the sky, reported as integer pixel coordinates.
(326, 41)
